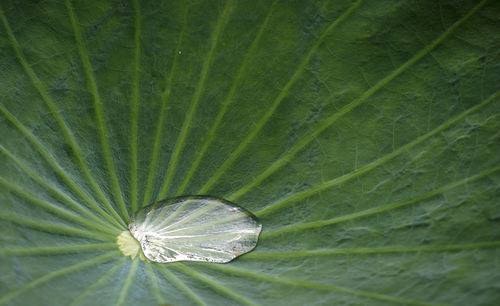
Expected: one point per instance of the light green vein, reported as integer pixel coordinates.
(57, 273)
(128, 282)
(135, 109)
(69, 201)
(379, 209)
(54, 165)
(70, 139)
(316, 286)
(154, 285)
(225, 104)
(177, 282)
(313, 190)
(196, 99)
(166, 226)
(283, 160)
(379, 250)
(103, 132)
(63, 213)
(55, 229)
(161, 119)
(215, 285)
(283, 93)
(100, 282)
(56, 250)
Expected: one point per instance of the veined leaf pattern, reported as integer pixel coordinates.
(362, 134)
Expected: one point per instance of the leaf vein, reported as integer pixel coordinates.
(374, 250)
(374, 164)
(103, 131)
(128, 282)
(284, 159)
(242, 146)
(379, 209)
(154, 284)
(105, 277)
(135, 109)
(177, 282)
(226, 102)
(70, 139)
(53, 163)
(215, 285)
(114, 224)
(318, 286)
(58, 273)
(196, 99)
(56, 250)
(54, 228)
(63, 213)
(161, 119)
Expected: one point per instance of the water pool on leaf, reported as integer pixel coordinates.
(191, 228)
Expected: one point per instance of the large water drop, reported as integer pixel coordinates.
(195, 228)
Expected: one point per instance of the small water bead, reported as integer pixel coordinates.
(194, 228)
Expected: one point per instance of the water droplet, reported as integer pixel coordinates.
(195, 228)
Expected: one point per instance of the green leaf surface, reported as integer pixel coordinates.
(363, 134)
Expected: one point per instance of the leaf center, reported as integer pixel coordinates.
(129, 246)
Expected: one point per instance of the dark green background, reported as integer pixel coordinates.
(364, 135)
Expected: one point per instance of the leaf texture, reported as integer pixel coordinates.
(362, 134)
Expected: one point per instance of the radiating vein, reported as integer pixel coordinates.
(58, 273)
(215, 285)
(161, 119)
(57, 250)
(54, 165)
(380, 209)
(100, 282)
(283, 93)
(225, 103)
(135, 109)
(316, 286)
(103, 132)
(114, 224)
(154, 284)
(128, 282)
(284, 159)
(373, 250)
(177, 282)
(70, 139)
(374, 164)
(166, 226)
(56, 229)
(196, 99)
(63, 213)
